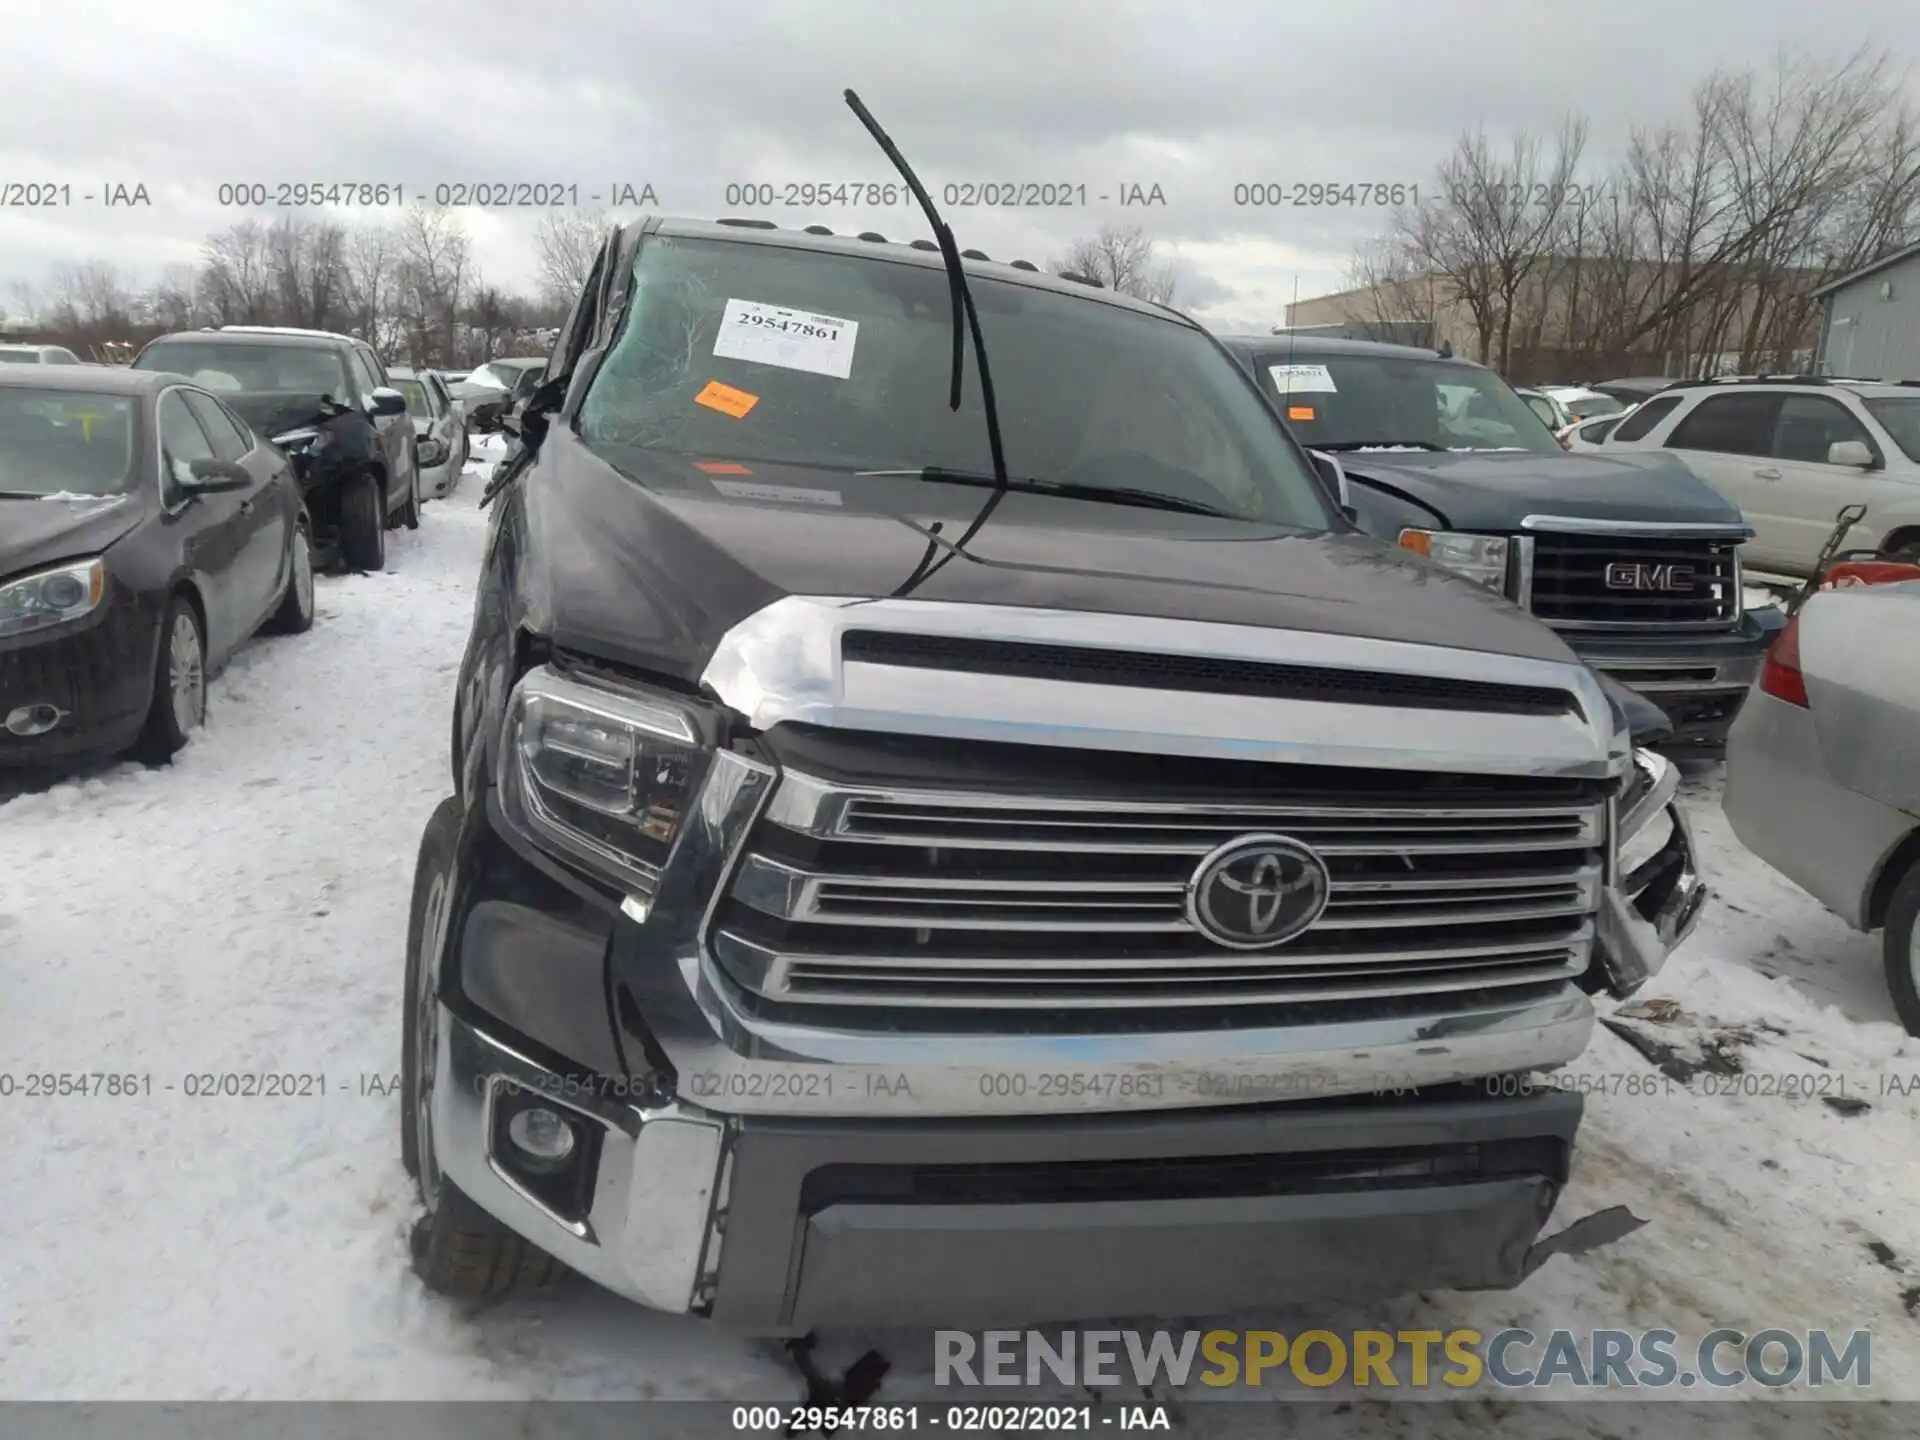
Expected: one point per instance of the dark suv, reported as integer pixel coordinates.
(1634, 561)
(882, 887)
(326, 400)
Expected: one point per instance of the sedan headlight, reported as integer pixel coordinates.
(52, 597)
(432, 452)
(1476, 557)
(599, 774)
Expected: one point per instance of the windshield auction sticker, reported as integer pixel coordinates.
(726, 399)
(1302, 379)
(791, 339)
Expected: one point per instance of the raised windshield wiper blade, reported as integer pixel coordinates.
(1339, 447)
(961, 299)
(1111, 494)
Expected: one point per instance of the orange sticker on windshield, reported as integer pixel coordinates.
(1299, 412)
(726, 399)
(720, 467)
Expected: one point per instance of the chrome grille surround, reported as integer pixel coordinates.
(1563, 559)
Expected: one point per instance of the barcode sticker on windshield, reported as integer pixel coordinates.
(791, 339)
(1302, 379)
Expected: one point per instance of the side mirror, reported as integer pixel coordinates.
(212, 477)
(1850, 452)
(1335, 476)
(386, 402)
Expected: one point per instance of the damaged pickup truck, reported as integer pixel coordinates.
(918, 861)
(1636, 562)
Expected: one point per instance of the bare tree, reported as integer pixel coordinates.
(308, 261)
(435, 257)
(1122, 260)
(236, 282)
(567, 242)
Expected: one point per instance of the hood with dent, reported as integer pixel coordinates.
(1495, 490)
(37, 533)
(651, 563)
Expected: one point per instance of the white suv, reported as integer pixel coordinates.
(1792, 453)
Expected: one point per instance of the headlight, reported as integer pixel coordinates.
(602, 775)
(432, 452)
(304, 441)
(1476, 557)
(52, 597)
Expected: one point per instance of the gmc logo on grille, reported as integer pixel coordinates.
(1632, 575)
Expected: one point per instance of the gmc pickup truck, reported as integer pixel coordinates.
(1636, 562)
(912, 863)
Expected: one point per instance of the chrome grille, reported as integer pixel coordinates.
(1569, 583)
(905, 900)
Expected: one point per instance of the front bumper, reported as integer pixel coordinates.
(1700, 681)
(98, 676)
(1658, 892)
(777, 1226)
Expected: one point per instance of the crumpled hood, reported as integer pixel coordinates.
(651, 563)
(274, 412)
(1495, 490)
(37, 533)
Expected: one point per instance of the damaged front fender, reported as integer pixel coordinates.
(1655, 891)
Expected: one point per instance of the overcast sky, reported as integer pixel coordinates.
(183, 95)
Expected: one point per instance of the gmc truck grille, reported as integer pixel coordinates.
(1612, 580)
(942, 900)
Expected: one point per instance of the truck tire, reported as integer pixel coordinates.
(458, 1249)
(1902, 944)
(363, 525)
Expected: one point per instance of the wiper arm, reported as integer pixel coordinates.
(962, 301)
(1347, 446)
(1066, 489)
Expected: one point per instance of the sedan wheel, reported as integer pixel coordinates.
(179, 704)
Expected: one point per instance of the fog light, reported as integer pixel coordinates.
(35, 719)
(544, 1139)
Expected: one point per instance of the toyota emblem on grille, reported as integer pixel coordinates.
(1635, 575)
(1257, 891)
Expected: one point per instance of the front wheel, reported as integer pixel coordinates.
(295, 615)
(458, 1249)
(409, 513)
(179, 704)
(363, 524)
(1902, 944)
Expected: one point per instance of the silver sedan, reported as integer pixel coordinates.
(1823, 767)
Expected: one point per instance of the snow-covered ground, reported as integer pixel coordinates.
(245, 909)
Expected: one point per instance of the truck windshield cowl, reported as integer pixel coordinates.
(1394, 402)
(1091, 395)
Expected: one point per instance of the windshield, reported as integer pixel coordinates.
(55, 442)
(1591, 407)
(1359, 400)
(416, 393)
(760, 352)
(1900, 415)
(260, 369)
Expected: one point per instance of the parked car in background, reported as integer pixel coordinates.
(324, 399)
(801, 879)
(1823, 767)
(1587, 434)
(1633, 388)
(1583, 403)
(146, 531)
(1791, 454)
(1555, 416)
(38, 355)
(1635, 563)
(439, 431)
(493, 390)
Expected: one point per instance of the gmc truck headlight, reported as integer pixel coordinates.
(601, 773)
(1475, 557)
(52, 597)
